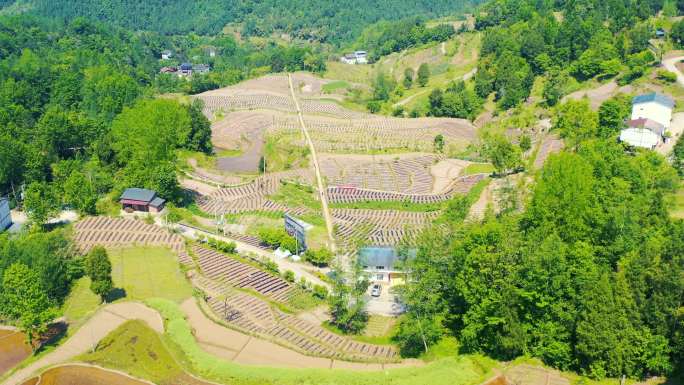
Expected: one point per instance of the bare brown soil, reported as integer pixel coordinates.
(13, 349)
(83, 375)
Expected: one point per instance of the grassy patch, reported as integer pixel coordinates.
(334, 86)
(351, 73)
(148, 272)
(135, 348)
(81, 301)
(294, 195)
(446, 347)
(479, 168)
(389, 205)
(281, 153)
(379, 330)
(463, 370)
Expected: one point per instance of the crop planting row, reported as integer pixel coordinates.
(220, 267)
(337, 135)
(350, 195)
(250, 314)
(549, 146)
(245, 204)
(409, 175)
(226, 103)
(121, 232)
(379, 227)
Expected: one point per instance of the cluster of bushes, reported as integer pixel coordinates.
(217, 244)
(320, 257)
(278, 238)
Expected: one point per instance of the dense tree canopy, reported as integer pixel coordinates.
(587, 278)
(318, 20)
(584, 39)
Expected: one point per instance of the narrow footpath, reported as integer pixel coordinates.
(319, 179)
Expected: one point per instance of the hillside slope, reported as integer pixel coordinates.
(317, 20)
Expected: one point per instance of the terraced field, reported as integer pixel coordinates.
(254, 316)
(350, 195)
(378, 227)
(409, 175)
(121, 232)
(220, 267)
(253, 196)
(363, 135)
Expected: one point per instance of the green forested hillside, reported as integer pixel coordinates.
(317, 20)
(588, 275)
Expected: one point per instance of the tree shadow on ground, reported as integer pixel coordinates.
(115, 294)
(56, 332)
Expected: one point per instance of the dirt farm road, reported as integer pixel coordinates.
(217, 340)
(96, 328)
(670, 65)
(319, 179)
(283, 264)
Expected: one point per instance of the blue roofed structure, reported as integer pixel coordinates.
(654, 97)
(382, 263)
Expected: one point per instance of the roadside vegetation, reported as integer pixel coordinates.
(178, 344)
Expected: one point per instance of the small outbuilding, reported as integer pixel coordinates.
(185, 69)
(166, 54)
(5, 215)
(644, 133)
(140, 199)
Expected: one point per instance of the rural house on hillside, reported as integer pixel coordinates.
(140, 199)
(650, 120)
(654, 106)
(358, 57)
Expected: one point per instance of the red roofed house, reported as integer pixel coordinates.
(139, 199)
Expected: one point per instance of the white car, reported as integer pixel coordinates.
(376, 290)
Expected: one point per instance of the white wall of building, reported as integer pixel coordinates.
(640, 137)
(654, 111)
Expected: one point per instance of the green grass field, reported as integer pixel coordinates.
(294, 195)
(136, 349)
(389, 205)
(81, 301)
(479, 168)
(335, 86)
(148, 272)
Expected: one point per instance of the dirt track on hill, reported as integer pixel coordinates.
(96, 328)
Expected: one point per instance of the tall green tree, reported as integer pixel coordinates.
(23, 298)
(423, 75)
(576, 121)
(99, 269)
(40, 203)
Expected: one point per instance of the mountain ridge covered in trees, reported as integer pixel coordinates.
(315, 20)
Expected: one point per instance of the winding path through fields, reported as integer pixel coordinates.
(86, 338)
(213, 338)
(671, 65)
(319, 179)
